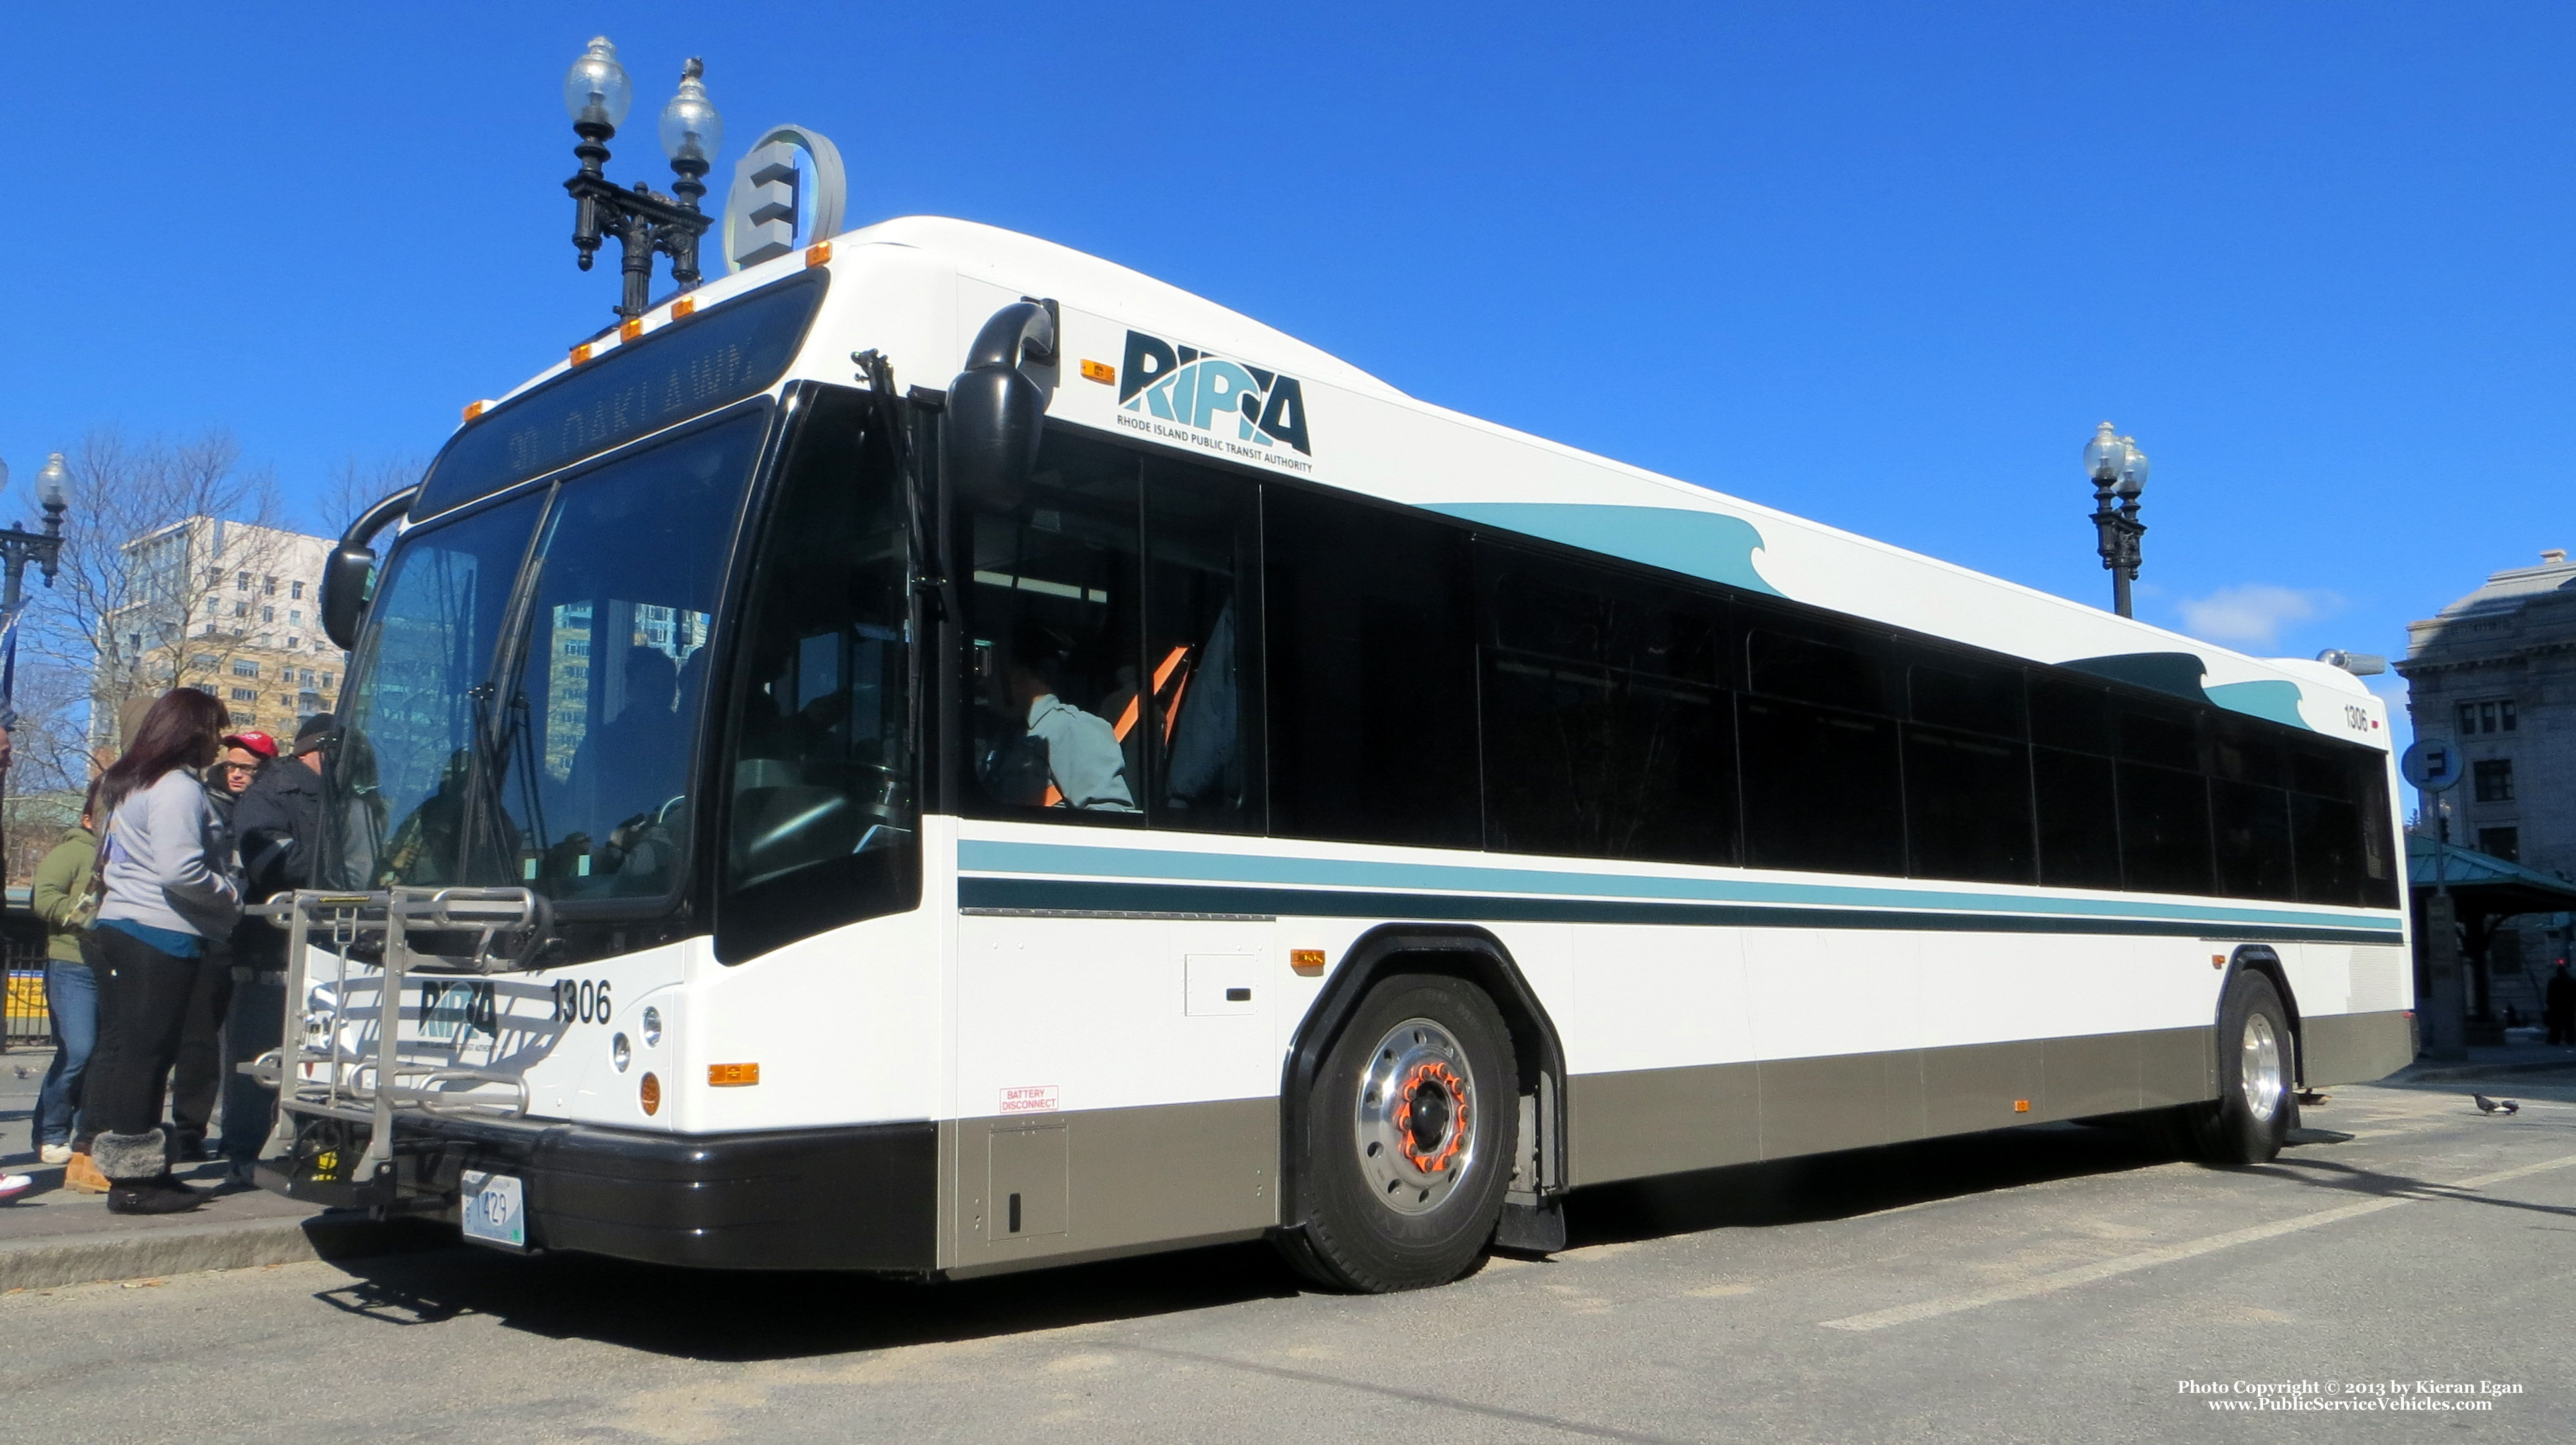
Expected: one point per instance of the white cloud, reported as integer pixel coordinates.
(2252, 614)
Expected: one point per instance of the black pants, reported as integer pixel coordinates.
(197, 1079)
(143, 1007)
(2562, 1029)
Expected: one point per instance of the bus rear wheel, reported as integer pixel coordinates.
(1408, 1139)
(2255, 1109)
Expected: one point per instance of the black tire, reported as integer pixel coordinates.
(2256, 1107)
(1351, 1236)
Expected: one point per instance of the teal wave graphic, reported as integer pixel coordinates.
(1710, 545)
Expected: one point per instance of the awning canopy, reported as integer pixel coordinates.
(2482, 882)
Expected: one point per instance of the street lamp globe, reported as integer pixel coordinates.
(596, 88)
(54, 483)
(2133, 470)
(691, 128)
(2104, 453)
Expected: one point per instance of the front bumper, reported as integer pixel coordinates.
(862, 1197)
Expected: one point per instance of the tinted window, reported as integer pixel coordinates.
(1602, 735)
(717, 357)
(1054, 619)
(2325, 843)
(819, 827)
(2069, 714)
(1203, 730)
(2153, 733)
(1814, 662)
(1372, 674)
(2251, 828)
(1820, 789)
(2328, 773)
(2079, 818)
(2164, 830)
(1967, 807)
(1967, 696)
(2242, 752)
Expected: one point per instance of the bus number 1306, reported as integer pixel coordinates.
(581, 1001)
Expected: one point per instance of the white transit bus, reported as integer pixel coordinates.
(939, 754)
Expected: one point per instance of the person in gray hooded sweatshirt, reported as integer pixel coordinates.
(173, 887)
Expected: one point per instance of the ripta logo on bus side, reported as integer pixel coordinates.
(1220, 399)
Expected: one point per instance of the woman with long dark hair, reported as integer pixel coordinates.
(173, 889)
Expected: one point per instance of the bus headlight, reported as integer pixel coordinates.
(621, 1051)
(652, 1027)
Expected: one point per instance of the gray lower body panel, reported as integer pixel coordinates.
(2354, 1048)
(1031, 1189)
(1659, 1121)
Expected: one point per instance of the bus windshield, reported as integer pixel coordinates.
(557, 757)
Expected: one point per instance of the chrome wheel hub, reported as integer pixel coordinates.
(1414, 1126)
(2258, 1068)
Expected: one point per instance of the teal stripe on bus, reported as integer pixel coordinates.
(1091, 897)
(996, 856)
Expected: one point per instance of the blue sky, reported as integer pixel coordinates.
(1883, 265)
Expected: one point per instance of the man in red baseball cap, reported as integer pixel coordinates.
(245, 753)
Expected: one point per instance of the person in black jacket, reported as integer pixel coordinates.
(2558, 1006)
(277, 820)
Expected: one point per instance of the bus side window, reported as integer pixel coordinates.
(1058, 691)
(1201, 727)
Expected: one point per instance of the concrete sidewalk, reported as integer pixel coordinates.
(51, 1235)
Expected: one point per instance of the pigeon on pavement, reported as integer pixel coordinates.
(2496, 1106)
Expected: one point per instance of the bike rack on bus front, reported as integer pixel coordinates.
(366, 1083)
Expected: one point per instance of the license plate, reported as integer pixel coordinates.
(494, 1208)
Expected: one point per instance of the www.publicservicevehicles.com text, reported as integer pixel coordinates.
(2358, 1396)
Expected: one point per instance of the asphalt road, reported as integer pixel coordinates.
(2046, 1284)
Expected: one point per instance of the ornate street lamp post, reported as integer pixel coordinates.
(597, 93)
(2119, 472)
(18, 547)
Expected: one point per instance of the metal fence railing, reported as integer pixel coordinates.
(24, 1023)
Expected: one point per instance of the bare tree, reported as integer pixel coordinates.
(354, 486)
(159, 528)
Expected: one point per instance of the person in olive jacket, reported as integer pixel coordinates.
(71, 988)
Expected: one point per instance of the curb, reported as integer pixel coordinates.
(2452, 1073)
(188, 1248)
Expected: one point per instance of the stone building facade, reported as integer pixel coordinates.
(228, 608)
(2495, 673)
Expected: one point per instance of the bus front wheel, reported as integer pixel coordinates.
(2255, 1109)
(1408, 1139)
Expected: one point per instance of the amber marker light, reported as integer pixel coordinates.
(685, 306)
(2218, 960)
(2021, 1106)
(630, 328)
(474, 409)
(1307, 962)
(581, 353)
(1099, 371)
(732, 1076)
(649, 1093)
(818, 253)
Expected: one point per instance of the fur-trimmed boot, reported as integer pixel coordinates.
(137, 1167)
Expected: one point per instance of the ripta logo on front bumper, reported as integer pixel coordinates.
(1225, 405)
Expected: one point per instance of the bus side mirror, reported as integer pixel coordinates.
(352, 566)
(996, 408)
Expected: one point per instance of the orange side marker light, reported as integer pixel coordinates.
(2021, 1106)
(732, 1076)
(630, 328)
(1099, 371)
(818, 253)
(1306, 962)
(474, 409)
(685, 306)
(2218, 960)
(649, 1093)
(581, 353)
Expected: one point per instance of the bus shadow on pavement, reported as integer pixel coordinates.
(739, 1316)
(1821, 1187)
